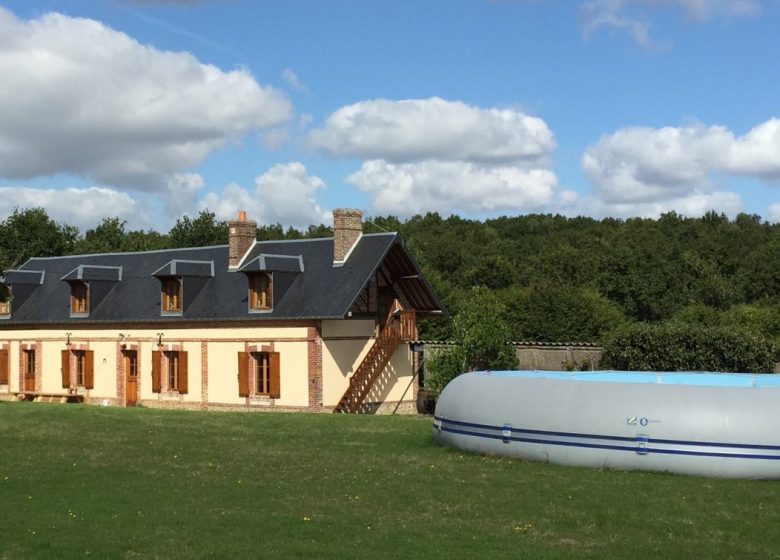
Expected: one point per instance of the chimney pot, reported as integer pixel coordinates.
(241, 215)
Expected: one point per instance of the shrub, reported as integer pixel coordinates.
(481, 343)
(687, 347)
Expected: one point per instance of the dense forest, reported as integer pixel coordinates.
(560, 279)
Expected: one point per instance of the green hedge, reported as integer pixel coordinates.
(686, 347)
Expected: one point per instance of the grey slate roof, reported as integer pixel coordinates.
(307, 286)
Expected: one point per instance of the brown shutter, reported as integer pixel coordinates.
(275, 390)
(183, 372)
(65, 369)
(4, 367)
(89, 369)
(243, 374)
(156, 367)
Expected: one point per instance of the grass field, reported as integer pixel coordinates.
(81, 481)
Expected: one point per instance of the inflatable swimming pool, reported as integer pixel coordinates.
(711, 424)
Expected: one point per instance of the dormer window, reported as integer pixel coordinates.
(79, 298)
(5, 300)
(171, 295)
(260, 292)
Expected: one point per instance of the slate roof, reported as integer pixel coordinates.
(306, 286)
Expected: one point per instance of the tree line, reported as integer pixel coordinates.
(557, 278)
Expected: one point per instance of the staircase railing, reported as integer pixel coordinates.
(401, 326)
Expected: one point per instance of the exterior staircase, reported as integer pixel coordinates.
(401, 326)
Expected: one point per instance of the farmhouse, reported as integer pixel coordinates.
(309, 325)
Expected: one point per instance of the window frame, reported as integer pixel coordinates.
(6, 296)
(80, 358)
(262, 367)
(166, 295)
(173, 369)
(79, 298)
(258, 294)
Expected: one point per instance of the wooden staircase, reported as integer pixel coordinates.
(401, 326)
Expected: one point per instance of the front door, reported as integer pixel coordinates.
(130, 361)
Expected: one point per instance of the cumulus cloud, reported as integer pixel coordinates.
(98, 104)
(773, 212)
(634, 16)
(693, 204)
(647, 165)
(284, 194)
(439, 155)
(405, 189)
(420, 129)
(646, 171)
(80, 207)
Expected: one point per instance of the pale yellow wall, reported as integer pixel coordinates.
(13, 371)
(340, 359)
(105, 369)
(51, 376)
(294, 372)
(294, 361)
(351, 327)
(223, 372)
(344, 345)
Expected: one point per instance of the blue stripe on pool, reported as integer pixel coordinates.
(609, 438)
(615, 447)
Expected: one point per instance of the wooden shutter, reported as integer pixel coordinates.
(275, 389)
(156, 367)
(183, 372)
(3, 367)
(65, 369)
(243, 374)
(89, 369)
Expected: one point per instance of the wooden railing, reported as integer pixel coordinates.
(401, 326)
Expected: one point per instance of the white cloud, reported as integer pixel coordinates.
(83, 208)
(407, 189)
(693, 204)
(774, 212)
(180, 193)
(292, 80)
(284, 194)
(98, 104)
(439, 155)
(647, 165)
(422, 129)
(635, 16)
(757, 152)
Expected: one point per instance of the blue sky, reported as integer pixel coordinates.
(149, 110)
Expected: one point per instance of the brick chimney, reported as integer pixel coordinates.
(347, 229)
(242, 234)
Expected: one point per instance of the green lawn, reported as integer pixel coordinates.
(137, 483)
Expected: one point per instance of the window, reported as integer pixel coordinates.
(82, 364)
(262, 373)
(5, 300)
(79, 298)
(260, 294)
(171, 294)
(258, 374)
(132, 363)
(80, 367)
(173, 370)
(169, 371)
